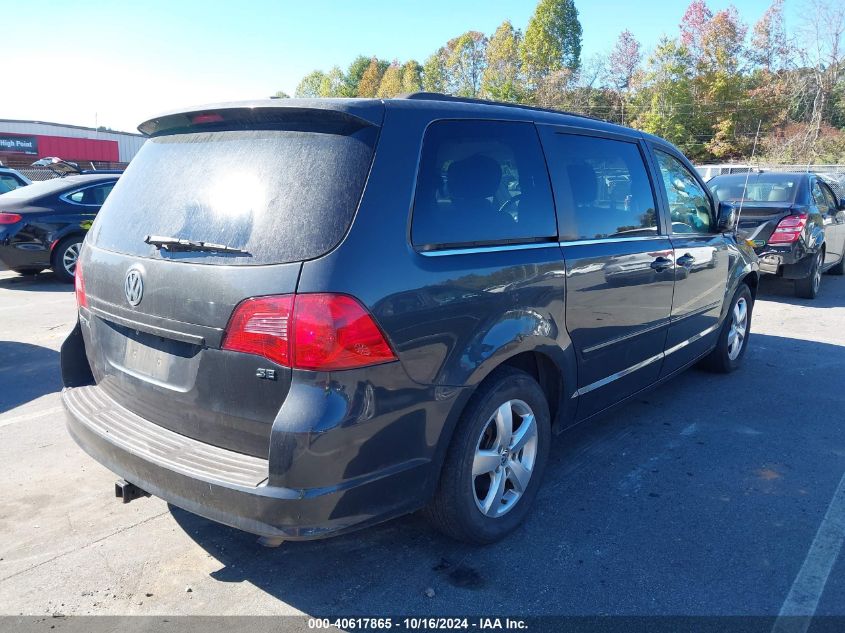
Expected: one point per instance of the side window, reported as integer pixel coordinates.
(602, 189)
(482, 183)
(819, 198)
(689, 206)
(832, 204)
(7, 183)
(95, 196)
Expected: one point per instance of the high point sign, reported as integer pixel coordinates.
(18, 145)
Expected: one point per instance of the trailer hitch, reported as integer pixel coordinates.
(127, 491)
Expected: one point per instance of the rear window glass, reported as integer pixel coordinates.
(760, 188)
(601, 187)
(279, 195)
(482, 182)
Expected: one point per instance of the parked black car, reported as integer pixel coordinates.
(794, 220)
(301, 317)
(43, 225)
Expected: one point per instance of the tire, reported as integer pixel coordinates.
(808, 287)
(839, 269)
(458, 506)
(65, 254)
(725, 357)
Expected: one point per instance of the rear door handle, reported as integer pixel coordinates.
(686, 261)
(661, 263)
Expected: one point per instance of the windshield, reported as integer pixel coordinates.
(760, 188)
(281, 196)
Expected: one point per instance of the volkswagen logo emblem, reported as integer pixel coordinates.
(133, 286)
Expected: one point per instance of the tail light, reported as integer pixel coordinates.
(322, 332)
(789, 229)
(79, 286)
(10, 218)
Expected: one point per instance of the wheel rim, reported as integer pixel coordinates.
(504, 458)
(70, 257)
(739, 328)
(817, 273)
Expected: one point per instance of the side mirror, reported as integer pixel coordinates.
(842, 204)
(726, 218)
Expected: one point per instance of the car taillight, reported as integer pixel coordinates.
(322, 332)
(261, 326)
(10, 218)
(789, 229)
(79, 286)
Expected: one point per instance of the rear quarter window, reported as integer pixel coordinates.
(280, 195)
(482, 183)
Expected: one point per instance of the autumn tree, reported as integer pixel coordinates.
(502, 78)
(391, 82)
(769, 44)
(370, 79)
(624, 60)
(354, 73)
(411, 77)
(552, 40)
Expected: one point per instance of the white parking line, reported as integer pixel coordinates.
(29, 416)
(803, 599)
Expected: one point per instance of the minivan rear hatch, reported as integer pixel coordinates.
(219, 205)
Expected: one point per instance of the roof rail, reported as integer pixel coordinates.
(438, 96)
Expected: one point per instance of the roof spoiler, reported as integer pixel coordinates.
(338, 116)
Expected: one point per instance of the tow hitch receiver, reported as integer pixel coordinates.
(127, 491)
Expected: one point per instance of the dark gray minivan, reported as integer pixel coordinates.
(301, 317)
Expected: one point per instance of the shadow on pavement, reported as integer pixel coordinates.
(42, 282)
(702, 487)
(831, 293)
(27, 372)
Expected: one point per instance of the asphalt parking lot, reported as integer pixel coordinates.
(708, 495)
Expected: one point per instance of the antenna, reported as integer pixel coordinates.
(748, 173)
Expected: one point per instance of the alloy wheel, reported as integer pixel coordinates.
(70, 257)
(504, 459)
(739, 328)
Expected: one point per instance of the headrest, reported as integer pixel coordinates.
(473, 178)
(582, 179)
(779, 194)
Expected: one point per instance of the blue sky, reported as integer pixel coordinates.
(142, 57)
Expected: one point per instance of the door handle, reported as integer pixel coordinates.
(661, 263)
(686, 261)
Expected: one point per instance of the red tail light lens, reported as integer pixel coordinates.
(261, 326)
(789, 229)
(79, 286)
(323, 332)
(336, 332)
(10, 218)
(199, 119)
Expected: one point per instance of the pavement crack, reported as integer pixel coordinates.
(84, 547)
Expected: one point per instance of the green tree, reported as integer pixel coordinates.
(333, 83)
(309, 87)
(370, 80)
(502, 79)
(391, 82)
(280, 94)
(663, 101)
(552, 40)
(411, 77)
(434, 72)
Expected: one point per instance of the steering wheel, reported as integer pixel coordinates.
(510, 202)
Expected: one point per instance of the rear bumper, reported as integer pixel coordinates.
(790, 262)
(229, 487)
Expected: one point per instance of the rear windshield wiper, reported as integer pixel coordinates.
(178, 244)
